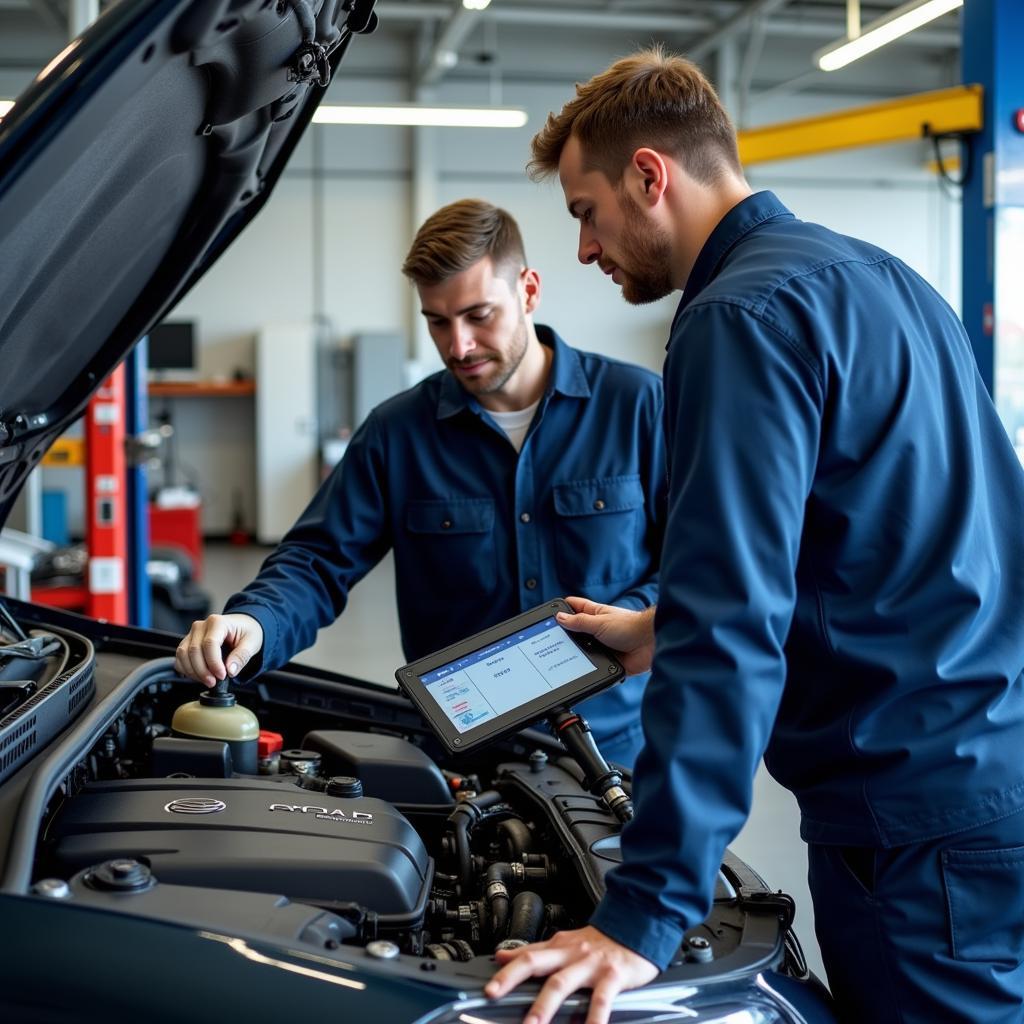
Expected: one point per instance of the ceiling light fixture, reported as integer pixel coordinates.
(406, 114)
(419, 116)
(476, 5)
(897, 23)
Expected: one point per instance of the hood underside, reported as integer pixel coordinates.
(126, 168)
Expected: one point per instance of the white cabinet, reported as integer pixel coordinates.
(286, 431)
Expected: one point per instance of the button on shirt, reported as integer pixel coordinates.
(843, 570)
(480, 532)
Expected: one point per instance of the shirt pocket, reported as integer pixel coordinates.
(985, 896)
(452, 539)
(599, 524)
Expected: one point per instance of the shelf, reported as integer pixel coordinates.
(202, 389)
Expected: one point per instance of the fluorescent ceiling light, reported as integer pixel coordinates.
(407, 114)
(476, 5)
(416, 115)
(898, 23)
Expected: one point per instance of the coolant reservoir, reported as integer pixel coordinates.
(217, 716)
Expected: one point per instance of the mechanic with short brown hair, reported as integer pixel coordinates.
(841, 589)
(523, 471)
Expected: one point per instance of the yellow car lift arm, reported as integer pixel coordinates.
(944, 111)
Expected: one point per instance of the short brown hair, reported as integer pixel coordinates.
(647, 99)
(461, 234)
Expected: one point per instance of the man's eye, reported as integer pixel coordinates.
(479, 318)
(587, 216)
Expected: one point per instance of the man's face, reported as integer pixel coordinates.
(615, 231)
(477, 320)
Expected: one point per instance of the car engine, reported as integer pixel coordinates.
(355, 832)
(352, 835)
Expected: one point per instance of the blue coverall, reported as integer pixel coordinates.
(479, 532)
(842, 590)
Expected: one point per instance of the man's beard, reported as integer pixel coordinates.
(507, 364)
(649, 276)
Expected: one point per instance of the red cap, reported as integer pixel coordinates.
(268, 743)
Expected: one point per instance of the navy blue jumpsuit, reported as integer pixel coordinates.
(842, 591)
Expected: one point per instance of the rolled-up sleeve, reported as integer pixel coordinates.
(744, 404)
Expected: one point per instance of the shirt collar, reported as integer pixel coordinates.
(565, 376)
(738, 222)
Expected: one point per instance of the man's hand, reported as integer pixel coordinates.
(200, 656)
(627, 632)
(585, 958)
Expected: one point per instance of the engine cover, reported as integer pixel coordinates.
(252, 835)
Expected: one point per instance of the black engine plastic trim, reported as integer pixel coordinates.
(17, 875)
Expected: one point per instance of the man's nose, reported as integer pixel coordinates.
(589, 249)
(462, 342)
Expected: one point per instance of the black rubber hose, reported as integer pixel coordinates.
(527, 917)
(488, 798)
(459, 827)
(517, 838)
(460, 821)
(496, 892)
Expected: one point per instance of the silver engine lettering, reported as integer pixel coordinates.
(361, 817)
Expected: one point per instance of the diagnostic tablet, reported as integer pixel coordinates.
(506, 677)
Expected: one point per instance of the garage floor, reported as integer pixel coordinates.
(365, 643)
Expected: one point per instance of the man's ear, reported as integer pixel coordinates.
(529, 289)
(649, 174)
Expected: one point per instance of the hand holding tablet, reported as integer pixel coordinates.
(506, 677)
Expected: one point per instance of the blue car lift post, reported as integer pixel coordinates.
(993, 194)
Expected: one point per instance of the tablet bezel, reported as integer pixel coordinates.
(607, 671)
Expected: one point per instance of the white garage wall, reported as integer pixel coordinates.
(330, 242)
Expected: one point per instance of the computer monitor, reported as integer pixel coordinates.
(172, 348)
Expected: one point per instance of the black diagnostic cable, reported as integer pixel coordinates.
(599, 777)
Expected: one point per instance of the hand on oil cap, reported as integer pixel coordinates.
(200, 655)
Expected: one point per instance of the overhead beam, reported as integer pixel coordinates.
(391, 11)
(912, 117)
(444, 54)
(737, 23)
(636, 24)
(50, 12)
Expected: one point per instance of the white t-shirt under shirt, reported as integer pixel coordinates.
(515, 424)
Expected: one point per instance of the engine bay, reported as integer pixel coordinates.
(444, 862)
(356, 833)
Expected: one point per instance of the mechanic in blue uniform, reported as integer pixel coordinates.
(841, 589)
(524, 471)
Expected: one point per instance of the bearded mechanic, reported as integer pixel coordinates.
(841, 590)
(523, 471)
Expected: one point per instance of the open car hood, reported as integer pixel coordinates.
(126, 168)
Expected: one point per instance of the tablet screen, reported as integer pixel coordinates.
(506, 674)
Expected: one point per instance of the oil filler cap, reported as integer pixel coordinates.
(345, 786)
(121, 875)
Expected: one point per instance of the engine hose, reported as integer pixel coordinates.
(516, 838)
(459, 828)
(527, 917)
(457, 949)
(460, 821)
(496, 893)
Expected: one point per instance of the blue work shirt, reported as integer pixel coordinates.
(843, 572)
(480, 532)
